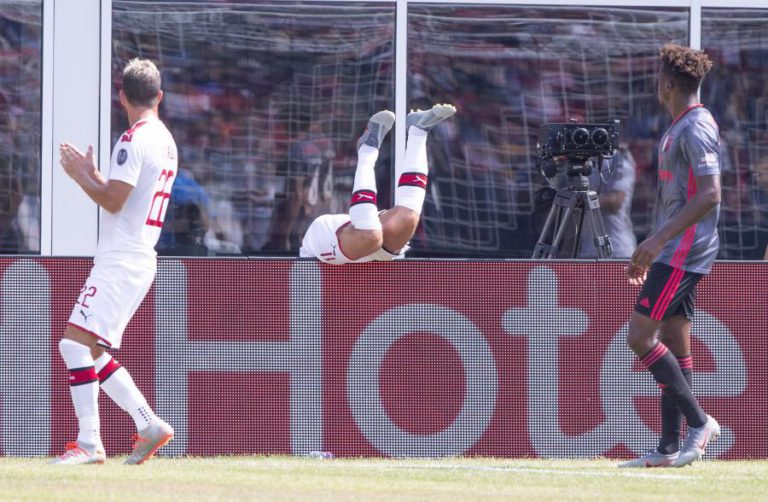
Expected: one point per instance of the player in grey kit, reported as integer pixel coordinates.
(677, 254)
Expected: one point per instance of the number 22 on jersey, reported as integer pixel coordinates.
(160, 201)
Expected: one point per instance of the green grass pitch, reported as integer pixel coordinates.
(454, 479)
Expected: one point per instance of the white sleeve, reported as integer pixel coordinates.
(127, 162)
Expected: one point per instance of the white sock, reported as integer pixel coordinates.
(363, 210)
(120, 387)
(411, 176)
(84, 389)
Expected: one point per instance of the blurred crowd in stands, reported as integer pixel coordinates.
(20, 98)
(266, 104)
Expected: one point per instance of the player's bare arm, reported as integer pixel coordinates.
(706, 198)
(81, 167)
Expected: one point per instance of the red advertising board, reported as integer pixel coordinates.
(411, 358)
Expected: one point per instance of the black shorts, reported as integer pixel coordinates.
(667, 292)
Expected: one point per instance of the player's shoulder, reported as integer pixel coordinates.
(133, 133)
(701, 118)
(700, 124)
(146, 130)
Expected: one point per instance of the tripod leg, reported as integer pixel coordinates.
(567, 213)
(597, 225)
(542, 249)
(579, 230)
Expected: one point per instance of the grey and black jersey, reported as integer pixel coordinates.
(689, 148)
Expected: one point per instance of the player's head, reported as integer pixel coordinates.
(681, 72)
(141, 84)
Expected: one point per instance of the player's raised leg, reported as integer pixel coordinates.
(400, 222)
(152, 432)
(363, 237)
(75, 349)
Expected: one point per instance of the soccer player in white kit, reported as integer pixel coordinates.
(365, 234)
(133, 197)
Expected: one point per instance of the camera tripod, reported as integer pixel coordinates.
(577, 196)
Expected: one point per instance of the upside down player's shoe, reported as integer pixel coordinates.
(653, 458)
(146, 443)
(427, 119)
(696, 442)
(376, 130)
(77, 455)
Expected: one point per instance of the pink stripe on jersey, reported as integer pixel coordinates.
(678, 259)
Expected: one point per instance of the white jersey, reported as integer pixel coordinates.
(322, 242)
(145, 157)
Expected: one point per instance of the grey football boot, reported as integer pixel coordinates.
(653, 458)
(376, 130)
(427, 119)
(696, 442)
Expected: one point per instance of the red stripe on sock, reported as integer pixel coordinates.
(108, 370)
(413, 180)
(685, 362)
(655, 354)
(363, 197)
(81, 376)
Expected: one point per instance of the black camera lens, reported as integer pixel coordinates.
(580, 136)
(599, 137)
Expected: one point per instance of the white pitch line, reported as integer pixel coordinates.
(340, 463)
(527, 470)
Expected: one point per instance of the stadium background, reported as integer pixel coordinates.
(266, 101)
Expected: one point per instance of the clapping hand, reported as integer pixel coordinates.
(76, 164)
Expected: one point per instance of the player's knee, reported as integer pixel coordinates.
(639, 341)
(372, 240)
(97, 351)
(403, 225)
(631, 340)
(68, 348)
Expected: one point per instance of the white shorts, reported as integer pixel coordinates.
(111, 295)
(322, 242)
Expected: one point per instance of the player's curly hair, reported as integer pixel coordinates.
(687, 66)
